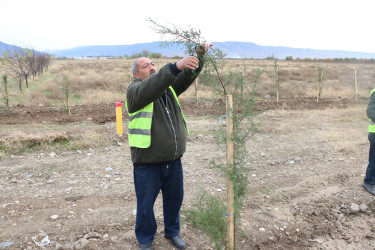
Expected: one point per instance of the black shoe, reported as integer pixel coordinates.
(145, 247)
(370, 188)
(177, 242)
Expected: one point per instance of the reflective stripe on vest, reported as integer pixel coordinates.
(371, 124)
(139, 128)
(139, 131)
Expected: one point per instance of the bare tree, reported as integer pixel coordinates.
(22, 62)
(18, 64)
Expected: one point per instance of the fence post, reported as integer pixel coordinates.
(196, 90)
(230, 165)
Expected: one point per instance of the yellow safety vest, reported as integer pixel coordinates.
(139, 129)
(371, 124)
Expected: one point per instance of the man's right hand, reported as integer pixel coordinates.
(189, 62)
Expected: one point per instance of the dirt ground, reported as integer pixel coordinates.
(306, 169)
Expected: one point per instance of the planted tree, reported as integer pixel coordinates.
(320, 83)
(209, 210)
(277, 79)
(4, 81)
(65, 87)
(20, 63)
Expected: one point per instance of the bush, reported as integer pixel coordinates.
(289, 58)
(155, 55)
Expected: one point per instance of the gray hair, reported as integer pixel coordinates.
(135, 66)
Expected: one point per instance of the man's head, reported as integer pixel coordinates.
(143, 67)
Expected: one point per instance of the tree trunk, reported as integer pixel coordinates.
(27, 84)
(20, 83)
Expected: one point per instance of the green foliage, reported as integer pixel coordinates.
(277, 79)
(4, 90)
(145, 53)
(155, 55)
(289, 58)
(65, 87)
(30, 146)
(320, 82)
(189, 38)
(136, 55)
(271, 57)
(244, 127)
(208, 215)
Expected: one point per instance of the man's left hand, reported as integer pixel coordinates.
(201, 49)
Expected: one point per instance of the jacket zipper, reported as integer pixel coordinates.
(170, 120)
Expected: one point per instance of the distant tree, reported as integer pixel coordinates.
(145, 53)
(289, 58)
(271, 57)
(136, 55)
(155, 55)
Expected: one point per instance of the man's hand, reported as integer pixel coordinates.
(189, 62)
(201, 49)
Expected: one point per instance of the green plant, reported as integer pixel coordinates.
(320, 83)
(5, 93)
(209, 217)
(65, 87)
(289, 58)
(277, 79)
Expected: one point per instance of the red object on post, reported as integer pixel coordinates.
(118, 104)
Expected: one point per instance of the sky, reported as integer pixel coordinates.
(64, 24)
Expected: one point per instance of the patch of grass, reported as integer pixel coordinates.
(22, 147)
(208, 216)
(267, 190)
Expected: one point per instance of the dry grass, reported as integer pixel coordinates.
(50, 137)
(105, 81)
(343, 129)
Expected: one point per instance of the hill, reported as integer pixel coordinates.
(4, 47)
(8, 47)
(231, 49)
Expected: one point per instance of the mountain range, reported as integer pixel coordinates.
(231, 49)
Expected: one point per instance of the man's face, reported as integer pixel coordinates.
(145, 68)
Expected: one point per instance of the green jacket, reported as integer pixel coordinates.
(371, 108)
(168, 135)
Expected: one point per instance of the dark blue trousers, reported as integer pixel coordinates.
(148, 181)
(370, 172)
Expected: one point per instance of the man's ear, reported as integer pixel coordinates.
(136, 75)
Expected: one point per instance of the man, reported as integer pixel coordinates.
(157, 138)
(369, 181)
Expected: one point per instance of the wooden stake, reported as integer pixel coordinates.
(355, 85)
(68, 105)
(230, 165)
(196, 90)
